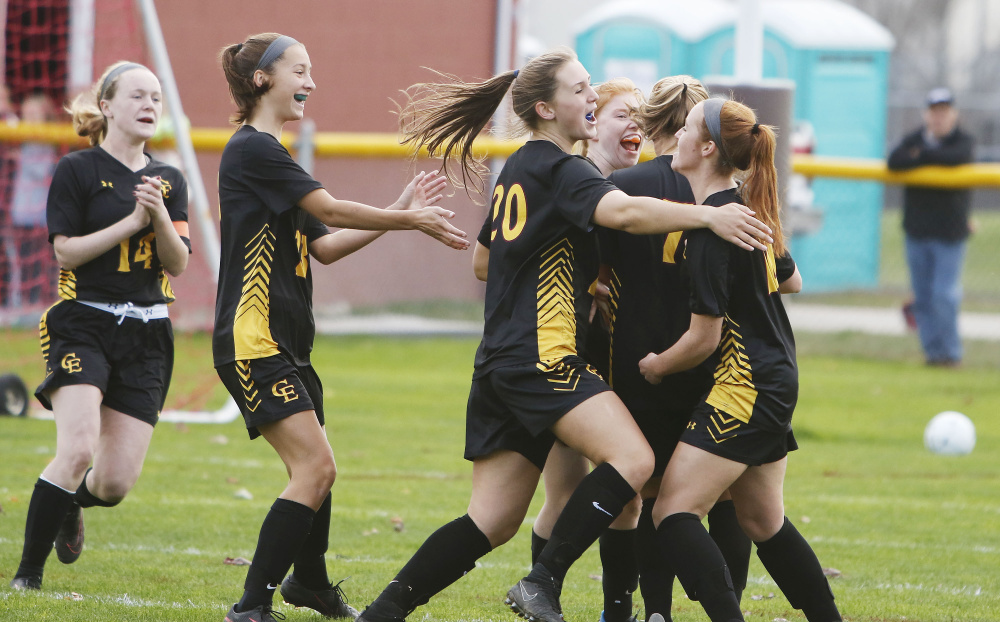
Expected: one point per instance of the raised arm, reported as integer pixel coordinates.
(695, 345)
(644, 215)
(413, 210)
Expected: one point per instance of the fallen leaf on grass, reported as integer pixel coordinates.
(236, 561)
(232, 480)
(397, 524)
(74, 596)
(597, 577)
(832, 572)
(243, 493)
(370, 532)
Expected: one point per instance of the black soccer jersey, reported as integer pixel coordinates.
(264, 302)
(649, 299)
(92, 190)
(543, 257)
(756, 377)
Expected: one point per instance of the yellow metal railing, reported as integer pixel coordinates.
(386, 145)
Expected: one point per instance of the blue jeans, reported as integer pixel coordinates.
(936, 279)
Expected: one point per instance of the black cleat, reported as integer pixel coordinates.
(262, 613)
(535, 602)
(331, 601)
(26, 583)
(69, 540)
(393, 614)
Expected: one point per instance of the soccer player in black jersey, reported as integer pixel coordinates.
(616, 146)
(739, 434)
(274, 216)
(530, 384)
(649, 311)
(117, 219)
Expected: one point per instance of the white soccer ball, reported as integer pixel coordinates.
(950, 433)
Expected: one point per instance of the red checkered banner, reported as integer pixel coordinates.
(43, 69)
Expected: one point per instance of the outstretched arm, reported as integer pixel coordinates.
(413, 210)
(643, 215)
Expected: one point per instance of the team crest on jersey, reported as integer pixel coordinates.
(165, 188)
(107, 184)
(284, 389)
(71, 363)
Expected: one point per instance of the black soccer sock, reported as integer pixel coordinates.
(310, 563)
(87, 499)
(597, 501)
(620, 574)
(794, 566)
(656, 577)
(732, 542)
(699, 565)
(46, 511)
(537, 544)
(285, 528)
(442, 559)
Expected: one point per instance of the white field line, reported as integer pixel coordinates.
(906, 502)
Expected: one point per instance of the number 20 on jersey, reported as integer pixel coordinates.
(515, 212)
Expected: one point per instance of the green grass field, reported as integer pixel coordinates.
(916, 536)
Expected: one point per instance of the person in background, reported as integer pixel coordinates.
(936, 224)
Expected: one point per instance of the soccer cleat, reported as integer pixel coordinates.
(331, 601)
(69, 540)
(535, 602)
(26, 583)
(382, 613)
(263, 613)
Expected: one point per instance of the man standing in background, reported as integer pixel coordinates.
(936, 223)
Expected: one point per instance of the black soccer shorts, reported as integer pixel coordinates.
(272, 388)
(131, 362)
(514, 407)
(728, 437)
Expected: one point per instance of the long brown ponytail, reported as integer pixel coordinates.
(750, 147)
(445, 117)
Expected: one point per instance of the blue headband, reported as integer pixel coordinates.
(713, 121)
(114, 73)
(275, 50)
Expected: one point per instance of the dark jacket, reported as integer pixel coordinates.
(934, 212)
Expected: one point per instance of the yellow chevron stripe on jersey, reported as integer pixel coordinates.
(67, 284)
(772, 270)
(556, 305)
(252, 323)
(670, 246)
(734, 392)
(168, 291)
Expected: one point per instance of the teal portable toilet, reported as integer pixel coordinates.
(838, 58)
